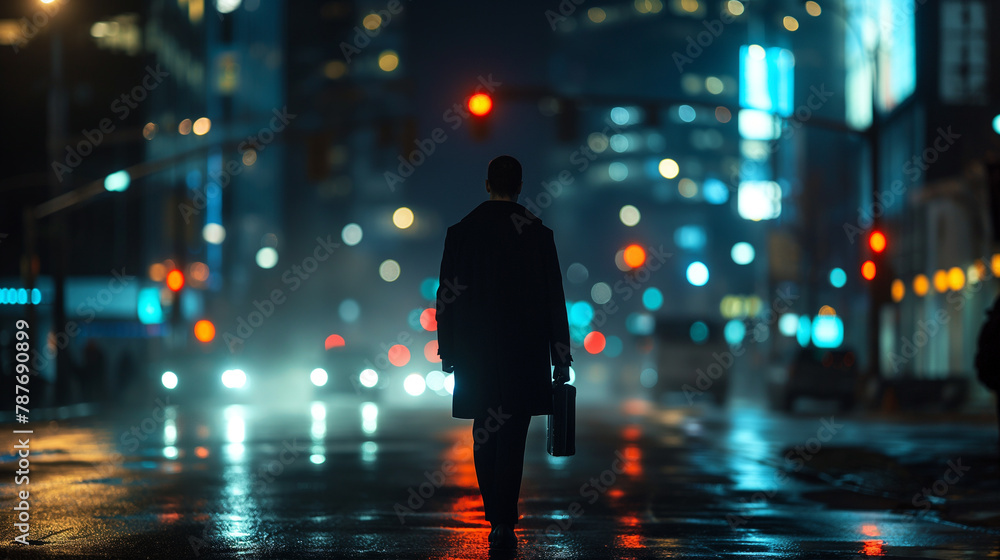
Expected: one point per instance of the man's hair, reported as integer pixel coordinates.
(504, 175)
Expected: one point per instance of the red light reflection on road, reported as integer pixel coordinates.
(873, 548)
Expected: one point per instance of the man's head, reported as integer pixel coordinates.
(503, 178)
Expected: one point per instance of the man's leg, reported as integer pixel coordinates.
(484, 453)
(510, 437)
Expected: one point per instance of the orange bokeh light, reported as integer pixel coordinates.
(175, 280)
(634, 256)
(431, 352)
(877, 241)
(428, 319)
(594, 342)
(868, 270)
(204, 331)
(399, 355)
(334, 341)
(480, 104)
(157, 272)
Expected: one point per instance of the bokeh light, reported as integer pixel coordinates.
(480, 104)
(431, 352)
(334, 341)
(868, 270)
(941, 281)
(389, 270)
(652, 298)
(697, 273)
(319, 377)
(629, 215)
(742, 253)
(580, 314)
(428, 319)
(352, 234)
(399, 355)
(204, 330)
(594, 342)
(734, 331)
(921, 285)
(600, 293)
(175, 280)
(169, 379)
(898, 290)
(414, 384)
(368, 377)
(698, 332)
(349, 310)
(634, 256)
(838, 278)
(388, 60)
(429, 287)
(267, 257)
(668, 168)
(402, 217)
(956, 278)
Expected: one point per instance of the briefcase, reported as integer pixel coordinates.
(561, 424)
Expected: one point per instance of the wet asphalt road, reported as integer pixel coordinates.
(341, 478)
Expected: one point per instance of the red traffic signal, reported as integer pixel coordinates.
(868, 270)
(480, 104)
(175, 280)
(877, 241)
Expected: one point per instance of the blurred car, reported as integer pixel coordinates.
(821, 373)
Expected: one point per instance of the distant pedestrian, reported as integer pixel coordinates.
(501, 316)
(988, 357)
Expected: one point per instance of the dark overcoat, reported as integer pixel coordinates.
(501, 311)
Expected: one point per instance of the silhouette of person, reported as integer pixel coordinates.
(501, 316)
(987, 360)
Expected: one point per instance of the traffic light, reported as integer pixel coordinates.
(175, 280)
(480, 107)
(876, 269)
(876, 241)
